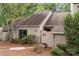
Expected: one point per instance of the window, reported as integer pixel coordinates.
(22, 33)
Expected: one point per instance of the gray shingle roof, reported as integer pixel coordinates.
(57, 18)
(35, 19)
(58, 29)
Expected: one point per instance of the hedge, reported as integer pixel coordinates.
(72, 32)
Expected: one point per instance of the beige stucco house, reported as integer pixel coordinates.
(48, 27)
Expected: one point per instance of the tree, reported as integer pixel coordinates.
(65, 7)
(72, 32)
(9, 12)
(51, 7)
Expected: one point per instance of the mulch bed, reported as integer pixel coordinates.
(27, 52)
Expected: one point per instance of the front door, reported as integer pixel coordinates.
(22, 33)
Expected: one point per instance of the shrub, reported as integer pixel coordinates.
(23, 40)
(72, 32)
(62, 47)
(29, 39)
(16, 41)
(65, 49)
(57, 52)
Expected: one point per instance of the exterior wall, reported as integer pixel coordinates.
(0, 33)
(59, 39)
(5, 36)
(15, 34)
(47, 38)
(34, 31)
(74, 8)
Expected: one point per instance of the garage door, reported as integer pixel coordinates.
(59, 39)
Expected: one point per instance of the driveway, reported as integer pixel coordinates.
(5, 50)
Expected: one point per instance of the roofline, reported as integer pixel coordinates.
(52, 26)
(49, 25)
(62, 12)
(31, 25)
(28, 26)
(58, 33)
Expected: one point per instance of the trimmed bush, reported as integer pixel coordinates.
(72, 32)
(29, 39)
(57, 52)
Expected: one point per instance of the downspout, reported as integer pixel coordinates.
(12, 31)
(53, 40)
(40, 36)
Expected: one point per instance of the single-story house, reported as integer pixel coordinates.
(48, 27)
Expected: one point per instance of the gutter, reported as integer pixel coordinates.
(58, 33)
